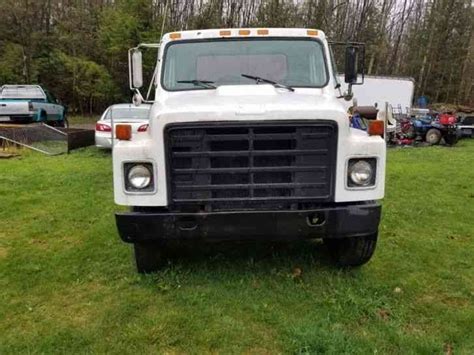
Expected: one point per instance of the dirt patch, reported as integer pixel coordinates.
(448, 300)
(384, 314)
(4, 155)
(73, 306)
(3, 253)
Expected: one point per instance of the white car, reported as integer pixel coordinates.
(136, 116)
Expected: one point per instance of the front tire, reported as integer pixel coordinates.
(450, 139)
(64, 123)
(433, 136)
(352, 251)
(148, 257)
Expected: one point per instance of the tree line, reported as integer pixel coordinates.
(78, 48)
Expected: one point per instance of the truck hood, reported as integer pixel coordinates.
(241, 102)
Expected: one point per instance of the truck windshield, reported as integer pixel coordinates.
(292, 62)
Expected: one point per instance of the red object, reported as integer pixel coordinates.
(405, 141)
(143, 128)
(407, 128)
(447, 119)
(102, 127)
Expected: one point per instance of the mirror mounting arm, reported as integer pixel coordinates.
(354, 62)
(137, 98)
(135, 72)
(348, 95)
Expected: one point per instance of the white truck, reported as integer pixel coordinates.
(248, 140)
(29, 104)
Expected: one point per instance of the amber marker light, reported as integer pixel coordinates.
(244, 32)
(312, 32)
(175, 35)
(376, 128)
(123, 132)
(262, 32)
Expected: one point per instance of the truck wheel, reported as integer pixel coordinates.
(433, 136)
(64, 123)
(148, 257)
(451, 139)
(43, 117)
(352, 251)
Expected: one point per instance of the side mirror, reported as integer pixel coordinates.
(353, 65)
(137, 69)
(135, 72)
(350, 68)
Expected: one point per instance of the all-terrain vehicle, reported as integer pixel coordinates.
(435, 128)
(430, 127)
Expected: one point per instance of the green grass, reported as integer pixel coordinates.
(82, 120)
(68, 284)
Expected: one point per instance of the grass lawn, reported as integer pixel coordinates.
(83, 120)
(68, 284)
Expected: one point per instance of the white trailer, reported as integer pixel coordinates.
(377, 90)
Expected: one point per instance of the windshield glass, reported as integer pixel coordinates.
(127, 113)
(293, 62)
(21, 92)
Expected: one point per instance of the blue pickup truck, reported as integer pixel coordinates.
(30, 103)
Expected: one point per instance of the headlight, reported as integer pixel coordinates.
(138, 177)
(361, 172)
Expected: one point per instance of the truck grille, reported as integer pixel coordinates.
(249, 162)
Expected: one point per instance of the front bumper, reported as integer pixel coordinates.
(335, 221)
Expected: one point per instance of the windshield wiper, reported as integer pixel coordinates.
(263, 80)
(203, 83)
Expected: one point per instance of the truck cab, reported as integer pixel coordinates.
(248, 139)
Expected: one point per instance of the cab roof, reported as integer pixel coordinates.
(243, 32)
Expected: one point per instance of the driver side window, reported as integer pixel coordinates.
(50, 98)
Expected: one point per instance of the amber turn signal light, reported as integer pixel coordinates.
(175, 35)
(244, 32)
(376, 128)
(123, 132)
